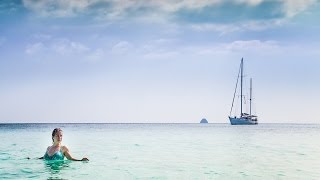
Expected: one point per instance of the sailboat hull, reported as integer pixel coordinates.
(242, 121)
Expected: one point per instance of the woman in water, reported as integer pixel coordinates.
(57, 151)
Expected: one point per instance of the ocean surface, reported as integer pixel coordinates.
(164, 151)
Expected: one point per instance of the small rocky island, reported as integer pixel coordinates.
(203, 121)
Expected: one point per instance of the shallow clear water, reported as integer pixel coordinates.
(164, 151)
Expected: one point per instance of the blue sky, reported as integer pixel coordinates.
(157, 61)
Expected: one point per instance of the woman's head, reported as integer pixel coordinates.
(57, 135)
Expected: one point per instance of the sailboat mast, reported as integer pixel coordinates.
(250, 94)
(241, 84)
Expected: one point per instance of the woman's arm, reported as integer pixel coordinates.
(36, 158)
(68, 155)
(42, 156)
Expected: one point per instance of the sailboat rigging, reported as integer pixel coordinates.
(243, 118)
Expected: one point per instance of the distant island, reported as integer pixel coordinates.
(203, 121)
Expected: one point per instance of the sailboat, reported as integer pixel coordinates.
(244, 118)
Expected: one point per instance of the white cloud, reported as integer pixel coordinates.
(154, 11)
(159, 49)
(118, 8)
(35, 48)
(121, 47)
(251, 45)
(294, 7)
(240, 46)
(224, 29)
(57, 8)
(250, 2)
(95, 56)
(65, 46)
(62, 8)
(237, 46)
(172, 6)
(60, 46)
(113, 9)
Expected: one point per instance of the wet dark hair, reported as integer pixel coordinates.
(54, 132)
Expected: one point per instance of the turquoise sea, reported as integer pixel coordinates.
(164, 151)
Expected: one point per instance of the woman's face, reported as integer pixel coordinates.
(58, 137)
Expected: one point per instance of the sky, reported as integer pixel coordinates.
(150, 61)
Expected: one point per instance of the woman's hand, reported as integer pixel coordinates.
(85, 159)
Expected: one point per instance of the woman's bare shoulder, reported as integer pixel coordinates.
(64, 148)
